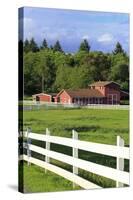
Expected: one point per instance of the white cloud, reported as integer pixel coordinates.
(105, 38)
(28, 23)
(29, 27)
(85, 37)
(54, 33)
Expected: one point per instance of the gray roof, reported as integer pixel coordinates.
(103, 83)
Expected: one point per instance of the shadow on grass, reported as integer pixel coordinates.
(82, 128)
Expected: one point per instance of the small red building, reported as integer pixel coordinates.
(42, 97)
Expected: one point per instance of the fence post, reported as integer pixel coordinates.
(75, 154)
(120, 161)
(47, 159)
(28, 146)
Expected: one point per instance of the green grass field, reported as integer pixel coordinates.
(92, 125)
(100, 126)
(37, 180)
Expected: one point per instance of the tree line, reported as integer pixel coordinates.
(50, 69)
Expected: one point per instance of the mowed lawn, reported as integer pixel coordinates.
(92, 125)
(100, 126)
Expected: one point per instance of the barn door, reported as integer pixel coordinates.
(112, 99)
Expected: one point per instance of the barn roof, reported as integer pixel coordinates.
(103, 83)
(124, 93)
(38, 94)
(41, 94)
(84, 93)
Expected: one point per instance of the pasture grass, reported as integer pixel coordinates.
(37, 180)
(101, 126)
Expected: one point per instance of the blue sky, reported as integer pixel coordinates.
(70, 27)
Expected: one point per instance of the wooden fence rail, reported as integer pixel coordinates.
(119, 152)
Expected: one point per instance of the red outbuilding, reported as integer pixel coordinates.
(42, 97)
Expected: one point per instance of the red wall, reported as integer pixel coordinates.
(65, 98)
(101, 89)
(45, 98)
(112, 91)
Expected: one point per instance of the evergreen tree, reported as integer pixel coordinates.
(33, 45)
(118, 49)
(44, 44)
(51, 47)
(84, 46)
(57, 47)
(26, 46)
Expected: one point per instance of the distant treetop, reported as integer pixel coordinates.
(118, 49)
(44, 44)
(57, 46)
(84, 46)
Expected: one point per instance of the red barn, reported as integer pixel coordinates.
(110, 90)
(42, 97)
(101, 92)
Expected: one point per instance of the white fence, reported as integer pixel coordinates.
(34, 105)
(119, 151)
(107, 106)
